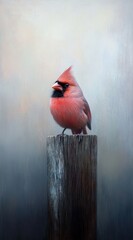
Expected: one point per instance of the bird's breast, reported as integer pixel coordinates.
(68, 112)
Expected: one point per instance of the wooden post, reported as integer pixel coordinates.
(72, 162)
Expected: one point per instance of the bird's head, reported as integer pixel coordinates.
(66, 85)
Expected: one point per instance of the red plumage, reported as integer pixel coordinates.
(68, 105)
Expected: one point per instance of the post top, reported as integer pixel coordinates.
(72, 139)
(72, 136)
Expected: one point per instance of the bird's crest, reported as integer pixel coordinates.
(67, 77)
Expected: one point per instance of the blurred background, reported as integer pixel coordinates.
(38, 41)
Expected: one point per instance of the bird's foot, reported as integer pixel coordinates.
(62, 134)
(63, 131)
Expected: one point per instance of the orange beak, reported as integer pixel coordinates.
(57, 87)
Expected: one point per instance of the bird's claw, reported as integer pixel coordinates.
(62, 134)
(63, 131)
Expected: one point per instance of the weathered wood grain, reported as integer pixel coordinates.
(72, 162)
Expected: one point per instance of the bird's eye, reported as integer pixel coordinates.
(66, 85)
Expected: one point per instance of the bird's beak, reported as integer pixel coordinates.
(57, 87)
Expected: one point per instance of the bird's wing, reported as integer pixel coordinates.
(87, 112)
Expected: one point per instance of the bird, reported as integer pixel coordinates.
(68, 105)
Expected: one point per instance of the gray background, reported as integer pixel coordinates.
(38, 41)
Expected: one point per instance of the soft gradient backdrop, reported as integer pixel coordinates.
(38, 41)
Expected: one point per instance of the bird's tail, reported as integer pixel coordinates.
(89, 124)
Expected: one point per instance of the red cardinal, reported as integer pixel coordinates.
(68, 105)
